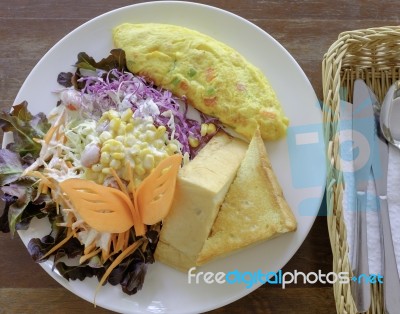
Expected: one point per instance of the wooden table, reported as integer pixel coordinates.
(28, 28)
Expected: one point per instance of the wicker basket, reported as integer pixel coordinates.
(373, 55)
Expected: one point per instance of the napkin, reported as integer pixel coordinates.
(349, 196)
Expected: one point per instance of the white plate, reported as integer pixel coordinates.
(298, 160)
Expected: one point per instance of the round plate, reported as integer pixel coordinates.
(298, 160)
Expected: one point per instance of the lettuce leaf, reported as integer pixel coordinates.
(25, 128)
(22, 191)
(10, 166)
(116, 60)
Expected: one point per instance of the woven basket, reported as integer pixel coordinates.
(374, 55)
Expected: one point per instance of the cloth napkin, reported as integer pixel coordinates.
(349, 196)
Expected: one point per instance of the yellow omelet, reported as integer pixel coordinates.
(214, 77)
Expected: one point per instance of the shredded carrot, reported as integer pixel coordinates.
(88, 256)
(129, 250)
(89, 248)
(60, 244)
(121, 186)
(41, 176)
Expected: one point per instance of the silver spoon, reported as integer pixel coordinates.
(390, 127)
(390, 115)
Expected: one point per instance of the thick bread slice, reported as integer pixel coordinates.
(254, 208)
(201, 188)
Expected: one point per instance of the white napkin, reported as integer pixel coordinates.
(349, 198)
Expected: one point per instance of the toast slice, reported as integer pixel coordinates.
(253, 210)
(200, 190)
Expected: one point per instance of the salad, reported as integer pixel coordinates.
(89, 166)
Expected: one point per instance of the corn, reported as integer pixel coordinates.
(129, 127)
(160, 131)
(150, 135)
(194, 142)
(134, 150)
(105, 158)
(130, 140)
(148, 162)
(144, 152)
(203, 130)
(112, 146)
(116, 164)
(139, 170)
(104, 136)
(158, 144)
(143, 145)
(134, 140)
(118, 156)
(211, 128)
(106, 170)
(97, 167)
(127, 115)
(122, 129)
(171, 148)
(120, 138)
(114, 124)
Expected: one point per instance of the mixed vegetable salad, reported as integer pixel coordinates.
(110, 128)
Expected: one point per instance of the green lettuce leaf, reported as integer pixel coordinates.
(116, 60)
(10, 166)
(23, 191)
(25, 127)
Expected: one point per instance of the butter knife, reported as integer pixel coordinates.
(391, 281)
(363, 135)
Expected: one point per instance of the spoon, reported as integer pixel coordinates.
(390, 115)
(390, 112)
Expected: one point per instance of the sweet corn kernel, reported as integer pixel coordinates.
(151, 127)
(130, 140)
(105, 158)
(144, 152)
(127, 115)
(134, 150)
(106, 170)
(113, 114)
(116, 164)
(118, 156)
(203, 130)
(120, 138)
(211, 128)
(104, 136)
(97, 167)
(148, 162)
(112, 146)
(194, 142)
(150, 135)
(139, 170)
(160, 131)
(171, 148)
(143, 145)
(114, 124)
(122, 129)
(158, 144)
(129, 127)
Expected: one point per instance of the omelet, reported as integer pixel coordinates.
(214, 78)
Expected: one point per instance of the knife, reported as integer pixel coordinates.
(391, 281)
(363, 135)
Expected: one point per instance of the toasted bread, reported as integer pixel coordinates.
(246, 206)
(200, 190)
(253, 210)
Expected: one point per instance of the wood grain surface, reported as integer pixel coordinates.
(29, 28)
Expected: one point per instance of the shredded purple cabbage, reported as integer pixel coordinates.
(117, 89)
